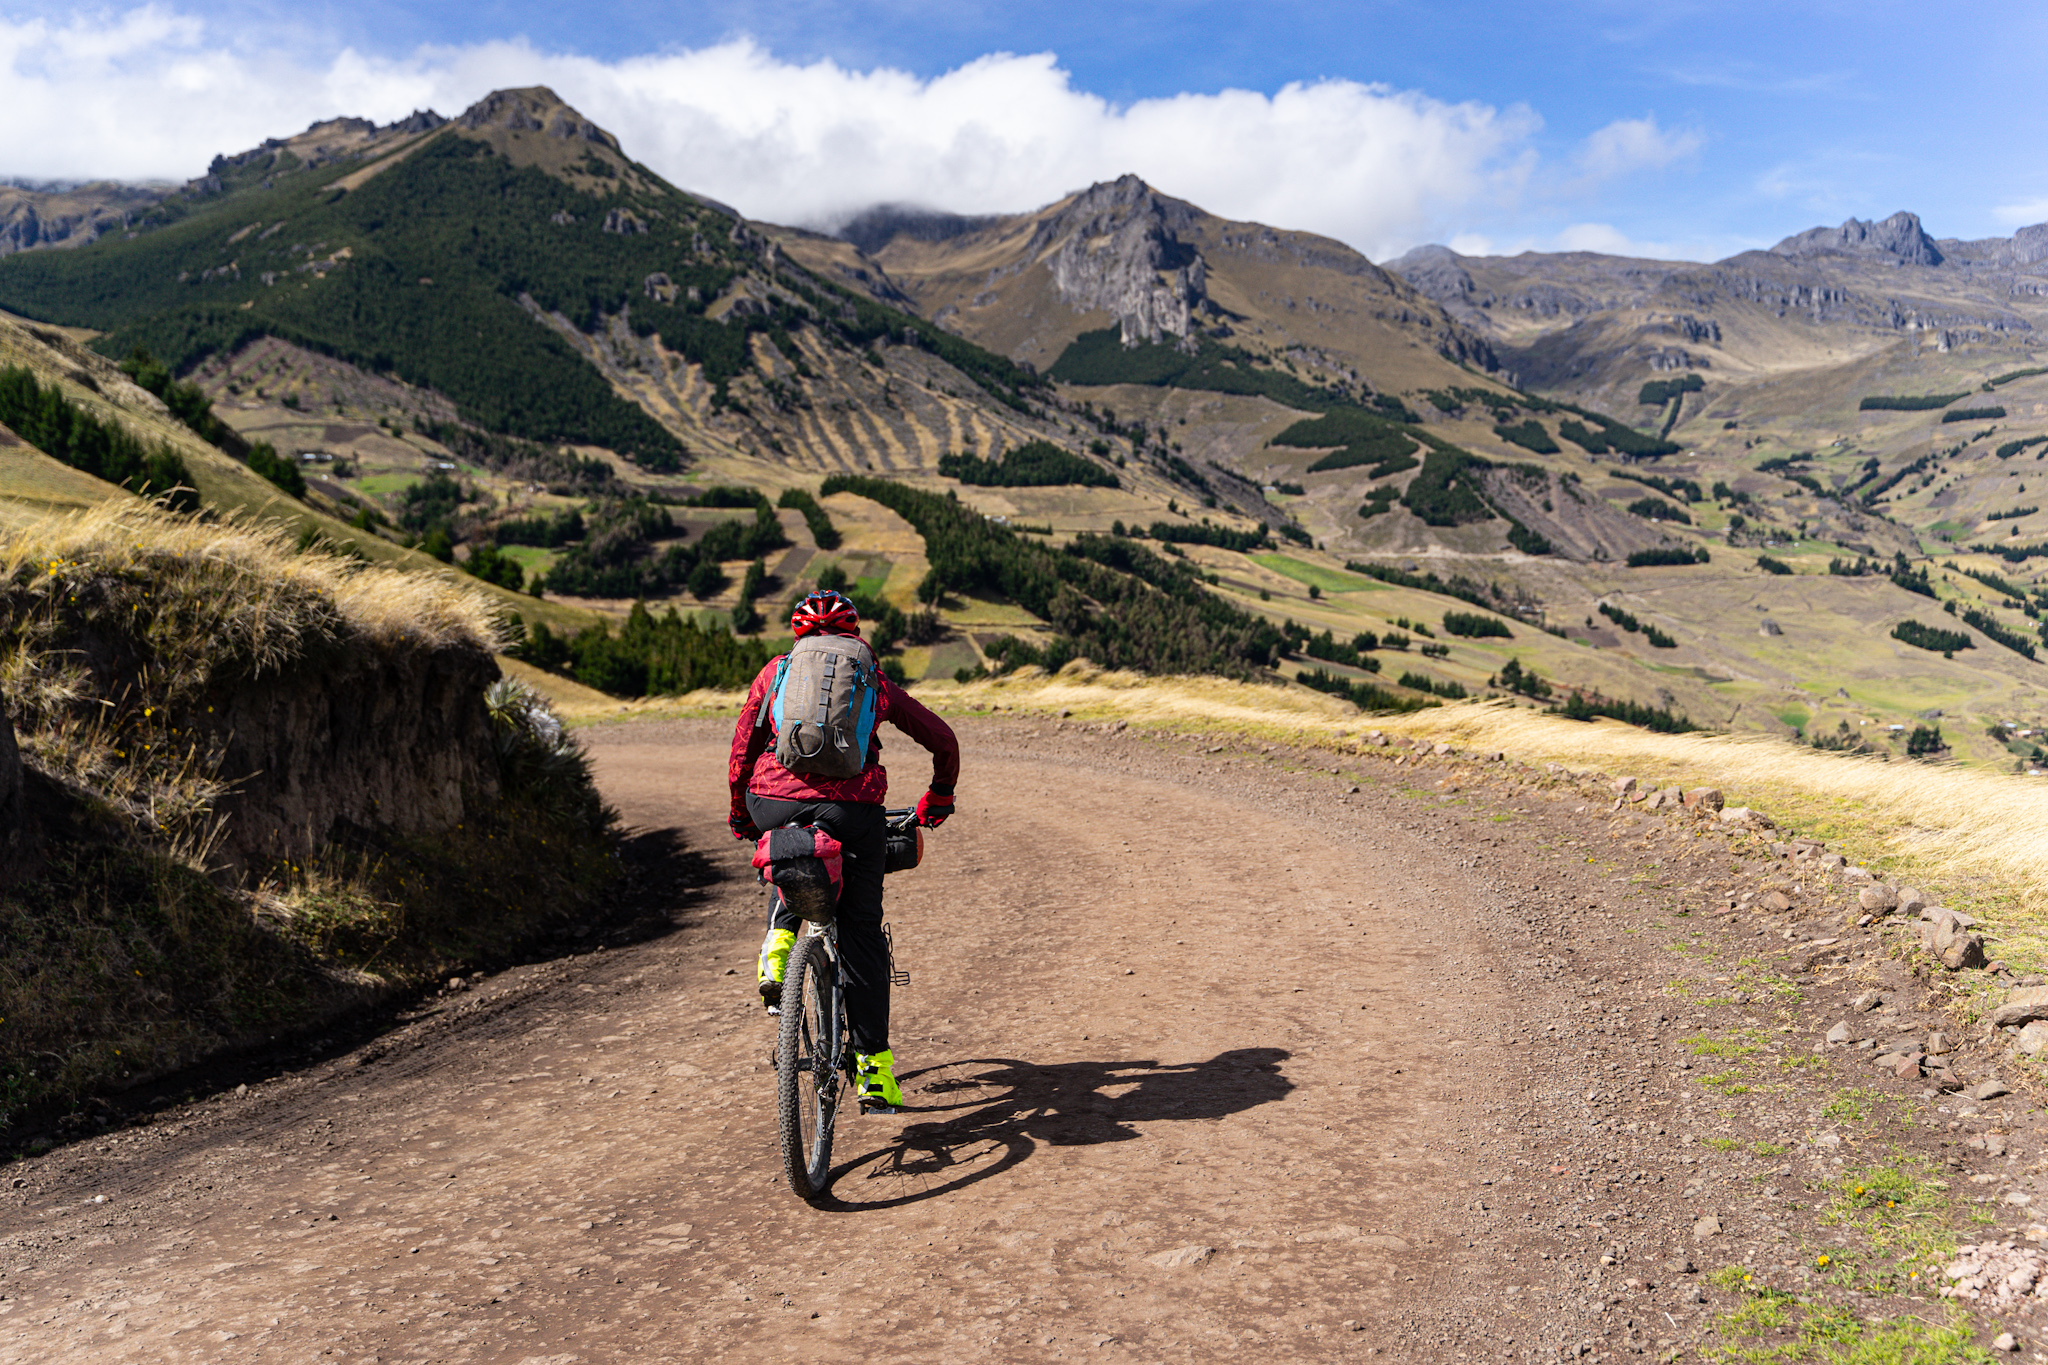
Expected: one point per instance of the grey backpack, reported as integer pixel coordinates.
(823, 704)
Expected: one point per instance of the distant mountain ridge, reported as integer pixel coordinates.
(1593, 326)
(1158, 270)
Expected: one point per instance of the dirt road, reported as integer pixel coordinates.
(1207, 1052)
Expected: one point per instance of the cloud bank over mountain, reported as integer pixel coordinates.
(153, 92)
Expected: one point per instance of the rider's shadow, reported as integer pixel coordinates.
(998, 1111)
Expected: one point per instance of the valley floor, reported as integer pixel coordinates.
(1211, 1048)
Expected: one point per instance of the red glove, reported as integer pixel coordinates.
(740, 822)
(933, 808)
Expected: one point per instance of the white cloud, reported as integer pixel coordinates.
(152, 94)
(2023, 214)
(1633, 144)
(1609, 240)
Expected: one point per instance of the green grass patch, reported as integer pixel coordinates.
(1315, 575)
(384, 485)
(1738, 1045)
(532, 558)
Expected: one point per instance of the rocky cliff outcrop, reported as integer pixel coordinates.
(33, 219)
(1118, 248)
(1899, 236)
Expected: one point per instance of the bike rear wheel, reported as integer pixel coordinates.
(807, 1056)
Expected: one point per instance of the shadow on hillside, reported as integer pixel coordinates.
(1004, 1109)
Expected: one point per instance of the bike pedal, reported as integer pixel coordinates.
(870, 1108)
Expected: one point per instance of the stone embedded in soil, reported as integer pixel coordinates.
(2023, 1006)
(2005, 1341)
(2033, 1039)
(1708, 1226)
(1775, 901)
(1989, 1090)
(1840, 1033)
(1181, 1257)
(1704, 798)
(1866, 1002)
(1958, 949)
(1877, 898)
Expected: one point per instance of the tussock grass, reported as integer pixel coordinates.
(119, 622)
(260, 594)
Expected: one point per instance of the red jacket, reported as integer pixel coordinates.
(753, 767)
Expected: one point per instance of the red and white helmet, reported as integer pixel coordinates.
(831, 612)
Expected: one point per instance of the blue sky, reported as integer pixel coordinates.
(1680, 128)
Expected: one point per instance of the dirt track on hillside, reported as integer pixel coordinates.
(1207, 1052)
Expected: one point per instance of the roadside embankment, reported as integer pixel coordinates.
(260, 784)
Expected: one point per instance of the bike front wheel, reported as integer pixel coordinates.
(807, 1056)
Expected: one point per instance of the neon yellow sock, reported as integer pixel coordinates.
(775, 954)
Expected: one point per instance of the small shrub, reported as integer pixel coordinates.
(492, 565)
(284, 472)
(1656, 509)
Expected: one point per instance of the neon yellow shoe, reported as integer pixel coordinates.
(774, 965)
(876, 1074)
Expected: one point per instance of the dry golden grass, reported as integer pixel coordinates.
(1975, 837)
(182, 603)
(258, 592)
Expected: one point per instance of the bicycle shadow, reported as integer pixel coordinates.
(1004, 1109)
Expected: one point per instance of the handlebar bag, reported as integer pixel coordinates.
(906, 849)
(804, 863)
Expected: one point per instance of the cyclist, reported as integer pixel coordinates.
(766, 795)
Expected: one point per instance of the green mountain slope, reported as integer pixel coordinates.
(440, 263)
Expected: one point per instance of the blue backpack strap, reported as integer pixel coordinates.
(870, 702)
(772, 698)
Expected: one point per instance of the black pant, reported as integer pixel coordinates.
(863, 831)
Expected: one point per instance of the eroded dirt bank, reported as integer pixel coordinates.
(1208, 1052)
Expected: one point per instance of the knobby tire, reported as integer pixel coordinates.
(807, 1087)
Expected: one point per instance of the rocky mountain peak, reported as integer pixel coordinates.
(1899, 236)
(1437, 272)
(2030, 244)
(1118, 247)
(534, 109)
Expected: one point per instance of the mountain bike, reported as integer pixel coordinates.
(814, 1064)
